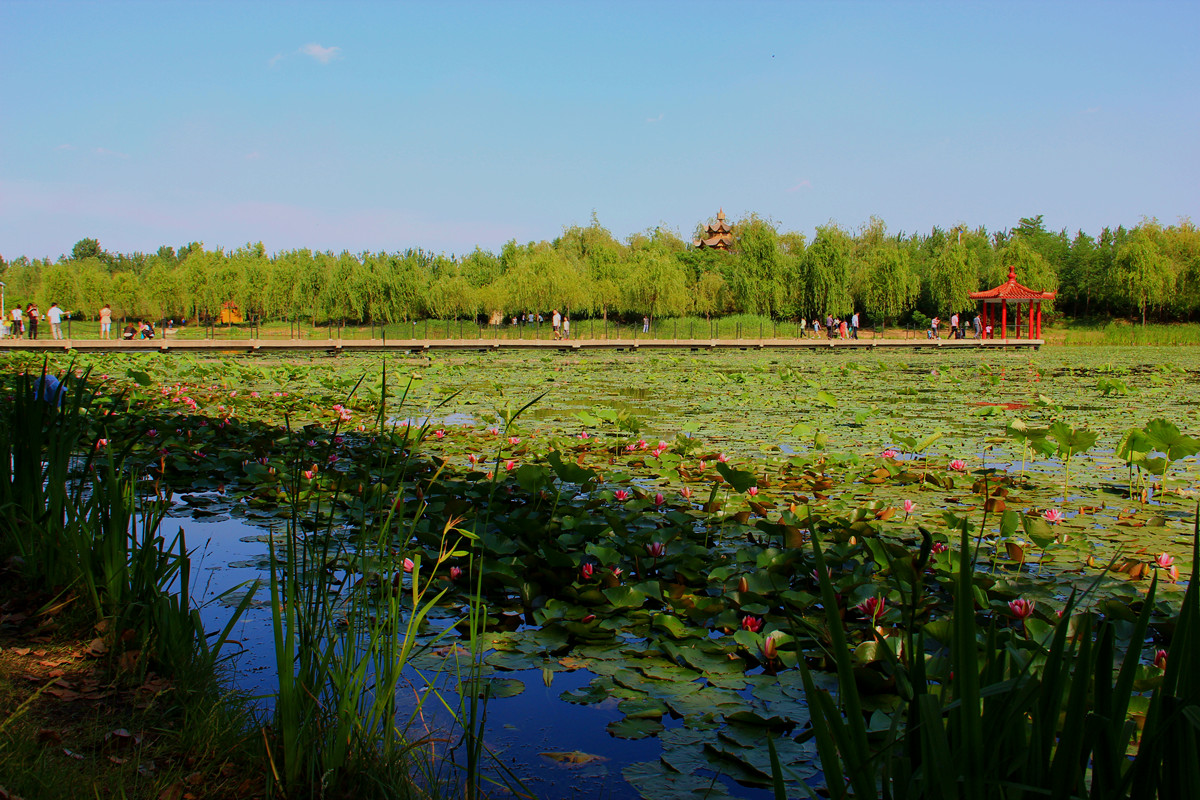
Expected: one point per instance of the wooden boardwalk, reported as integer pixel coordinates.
(218, 345)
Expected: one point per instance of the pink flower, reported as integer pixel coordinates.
(939, 547)
(642, 445)
(659, 499)
(630, 448)
(514, 440)
(455, 573)
(439, 433)
(254, 394)
(722, 458)
(473, 458)
(686, 492)
(622, 495)
(584, 435)
(1160, 659)
(494, 431)
(909, 506)
(585, 570)
(152, 432)
(770, 645)
(702, 465)
(1021, 608)
(656, 549)
(1053, 516)
(311, 443)
(1163, 560)
(588, 618)
(510, 465)
(958, 465)
(233, 393)
(101, 443)
(338, 439)
(308, 473)
(889, 453)
(616, 571)
(333, 459)
(409, 565)
(872, 607)
(752, 491)
(752, 624)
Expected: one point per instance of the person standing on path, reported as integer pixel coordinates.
(566, 327)
(106, 321)
(54, 314)
(978, 325)
(954, 325)
(556, 323)
(645, 324)
(31, 311)
(854, 325)
(18, 322)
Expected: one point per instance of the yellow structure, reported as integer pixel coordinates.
(718, 236)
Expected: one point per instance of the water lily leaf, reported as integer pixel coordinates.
(599, 690)
(1037, 529)
(574, 757)
(739, 479)
(654, 781)
(492, 688)
(625, 597)
(635, 728)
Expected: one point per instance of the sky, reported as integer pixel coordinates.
(451, 125)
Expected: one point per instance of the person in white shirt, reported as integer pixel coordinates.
(18, 324)
(54, 314)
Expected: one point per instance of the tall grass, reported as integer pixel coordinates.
(991, 714)
(72, 514)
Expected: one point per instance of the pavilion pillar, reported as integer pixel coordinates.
(1003, 319)
(987, 317)
(1029, 330)
(1039, 319)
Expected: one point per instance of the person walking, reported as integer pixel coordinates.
(18, 322)
(54, 314)
(854, 325)
(816, 328)
(566, 326)
(556, 323)
(842, 332)
(954, 325)
(978, 325)
(106, 322)
(31, 311)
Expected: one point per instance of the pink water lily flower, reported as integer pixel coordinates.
(1160, 659)
(889, 453)
(958, 465)
(752, 491)
(659, 499)
(909, 506)
(939, 547)
(1053, 516)
(752, 624)
(474, 459)
(616, 571)
(584, 435)
(702, 465)
(656, 549)
(1021, 608)
(409, 565)
(439, 433)
(585, 570)
(686, 492)
(514, 440)
(510, 465)
(1165, 561)
(308, 473)
(872, 607)
(455, 573)
(622, 495)
(723, 458)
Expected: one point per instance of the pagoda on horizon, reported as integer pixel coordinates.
(718, 236)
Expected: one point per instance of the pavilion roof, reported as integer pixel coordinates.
(1012, 290)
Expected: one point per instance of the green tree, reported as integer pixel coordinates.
(87, 248)
(825, 272)
(1145, 274)
(756, 266)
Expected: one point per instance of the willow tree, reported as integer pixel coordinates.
(824, 272)
(1145, 274)
(657, 285)
(756, 266)
(1031, 268)
(542, 278)
(953, 275)
(891, 285)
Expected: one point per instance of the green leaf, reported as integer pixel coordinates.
(739, 479)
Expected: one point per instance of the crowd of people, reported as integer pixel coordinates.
(958, 330)
(559, 322)
(24, 322)
(835, 327)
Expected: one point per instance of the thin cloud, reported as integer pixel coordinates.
(804, 184)
(104, 151)
(65, 147)
(322, 54)
(659, 118)
(275, 59)
(1092, 110)
(254, 156)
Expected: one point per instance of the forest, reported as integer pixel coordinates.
(1148, 272)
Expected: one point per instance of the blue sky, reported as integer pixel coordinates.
(382, 126)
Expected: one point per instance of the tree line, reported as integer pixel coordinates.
(1146, 272)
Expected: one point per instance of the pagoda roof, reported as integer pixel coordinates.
(1012, 290)
(719, 241)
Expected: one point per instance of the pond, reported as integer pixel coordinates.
(642, 523)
